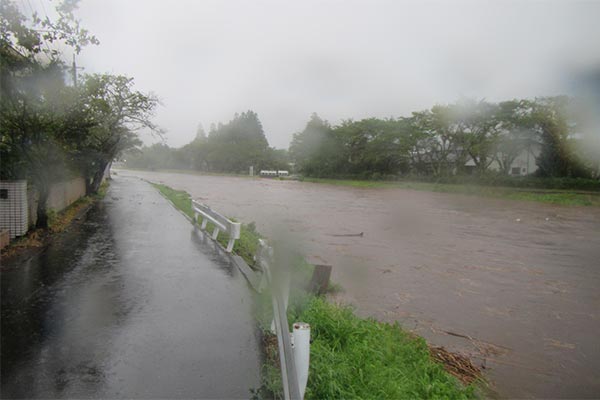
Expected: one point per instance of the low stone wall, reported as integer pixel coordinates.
(60, 197)
(65, 193)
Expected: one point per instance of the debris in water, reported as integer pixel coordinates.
(456, 364)
(347, 234)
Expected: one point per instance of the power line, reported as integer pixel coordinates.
(74, 65)
(46, 15)
(44, 41)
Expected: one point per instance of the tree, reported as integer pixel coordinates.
(554, 123)
(36, 107)
(200, 134)
(435, 146)
(316, 150)
(117, 112)
(515, 132)
(474, 125)
(373, 147)
(237, 145)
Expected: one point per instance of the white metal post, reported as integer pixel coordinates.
(230, 245)
(301, 346)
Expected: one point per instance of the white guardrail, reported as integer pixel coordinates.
(294, 348)
(220, 222)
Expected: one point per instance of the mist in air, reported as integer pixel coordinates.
(434, 165)
(208, 60)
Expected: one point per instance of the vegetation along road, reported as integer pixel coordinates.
(511, 283)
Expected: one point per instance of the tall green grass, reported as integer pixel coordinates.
(354, 358)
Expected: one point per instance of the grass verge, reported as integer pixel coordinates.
(350, 357)
(363, 358)
(551, 196)
(187, 172)
(245, 246)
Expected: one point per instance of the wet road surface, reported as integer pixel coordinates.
(132, 303)
(513, 284)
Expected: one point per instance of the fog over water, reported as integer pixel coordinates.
(342, 59)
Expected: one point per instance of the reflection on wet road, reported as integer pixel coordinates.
(516, 281)
(132, 303)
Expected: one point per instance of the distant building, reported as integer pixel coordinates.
(524, 164)
(273, 174)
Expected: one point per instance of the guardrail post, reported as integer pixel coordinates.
(289, 376)
(230, 245)
(215, 233)
(301, 346)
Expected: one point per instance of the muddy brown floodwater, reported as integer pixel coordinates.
(513, 284)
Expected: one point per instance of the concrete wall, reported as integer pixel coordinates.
(60, 197)
(65, 193)
(18, 212)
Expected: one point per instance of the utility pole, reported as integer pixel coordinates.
(74, 71)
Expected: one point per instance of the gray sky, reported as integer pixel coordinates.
(207, 60)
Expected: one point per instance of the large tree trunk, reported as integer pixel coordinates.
(42, 213)
(97, 178)
(88, 186)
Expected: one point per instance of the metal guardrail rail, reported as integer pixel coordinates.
(294, 348)
(220, 222)
(289, 377)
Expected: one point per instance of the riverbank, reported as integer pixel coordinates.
(563, 197)
(550, 196)
(351, 356)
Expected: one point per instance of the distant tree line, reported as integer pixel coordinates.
(466, 137)
(51, 130)
(232, 147)
(440, 141)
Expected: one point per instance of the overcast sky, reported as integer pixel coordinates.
(207, 60)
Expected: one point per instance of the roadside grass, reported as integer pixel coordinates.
(58, 222)
(187, 172)
(245, 246)
(360, 358)
(350, 357)
(180, 198)
(551, 196)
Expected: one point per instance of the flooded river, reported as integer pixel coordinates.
(513, 284)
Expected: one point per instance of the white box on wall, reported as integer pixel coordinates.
(13, 207)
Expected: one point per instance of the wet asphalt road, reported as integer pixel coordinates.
(132, 303)
(512, 284)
